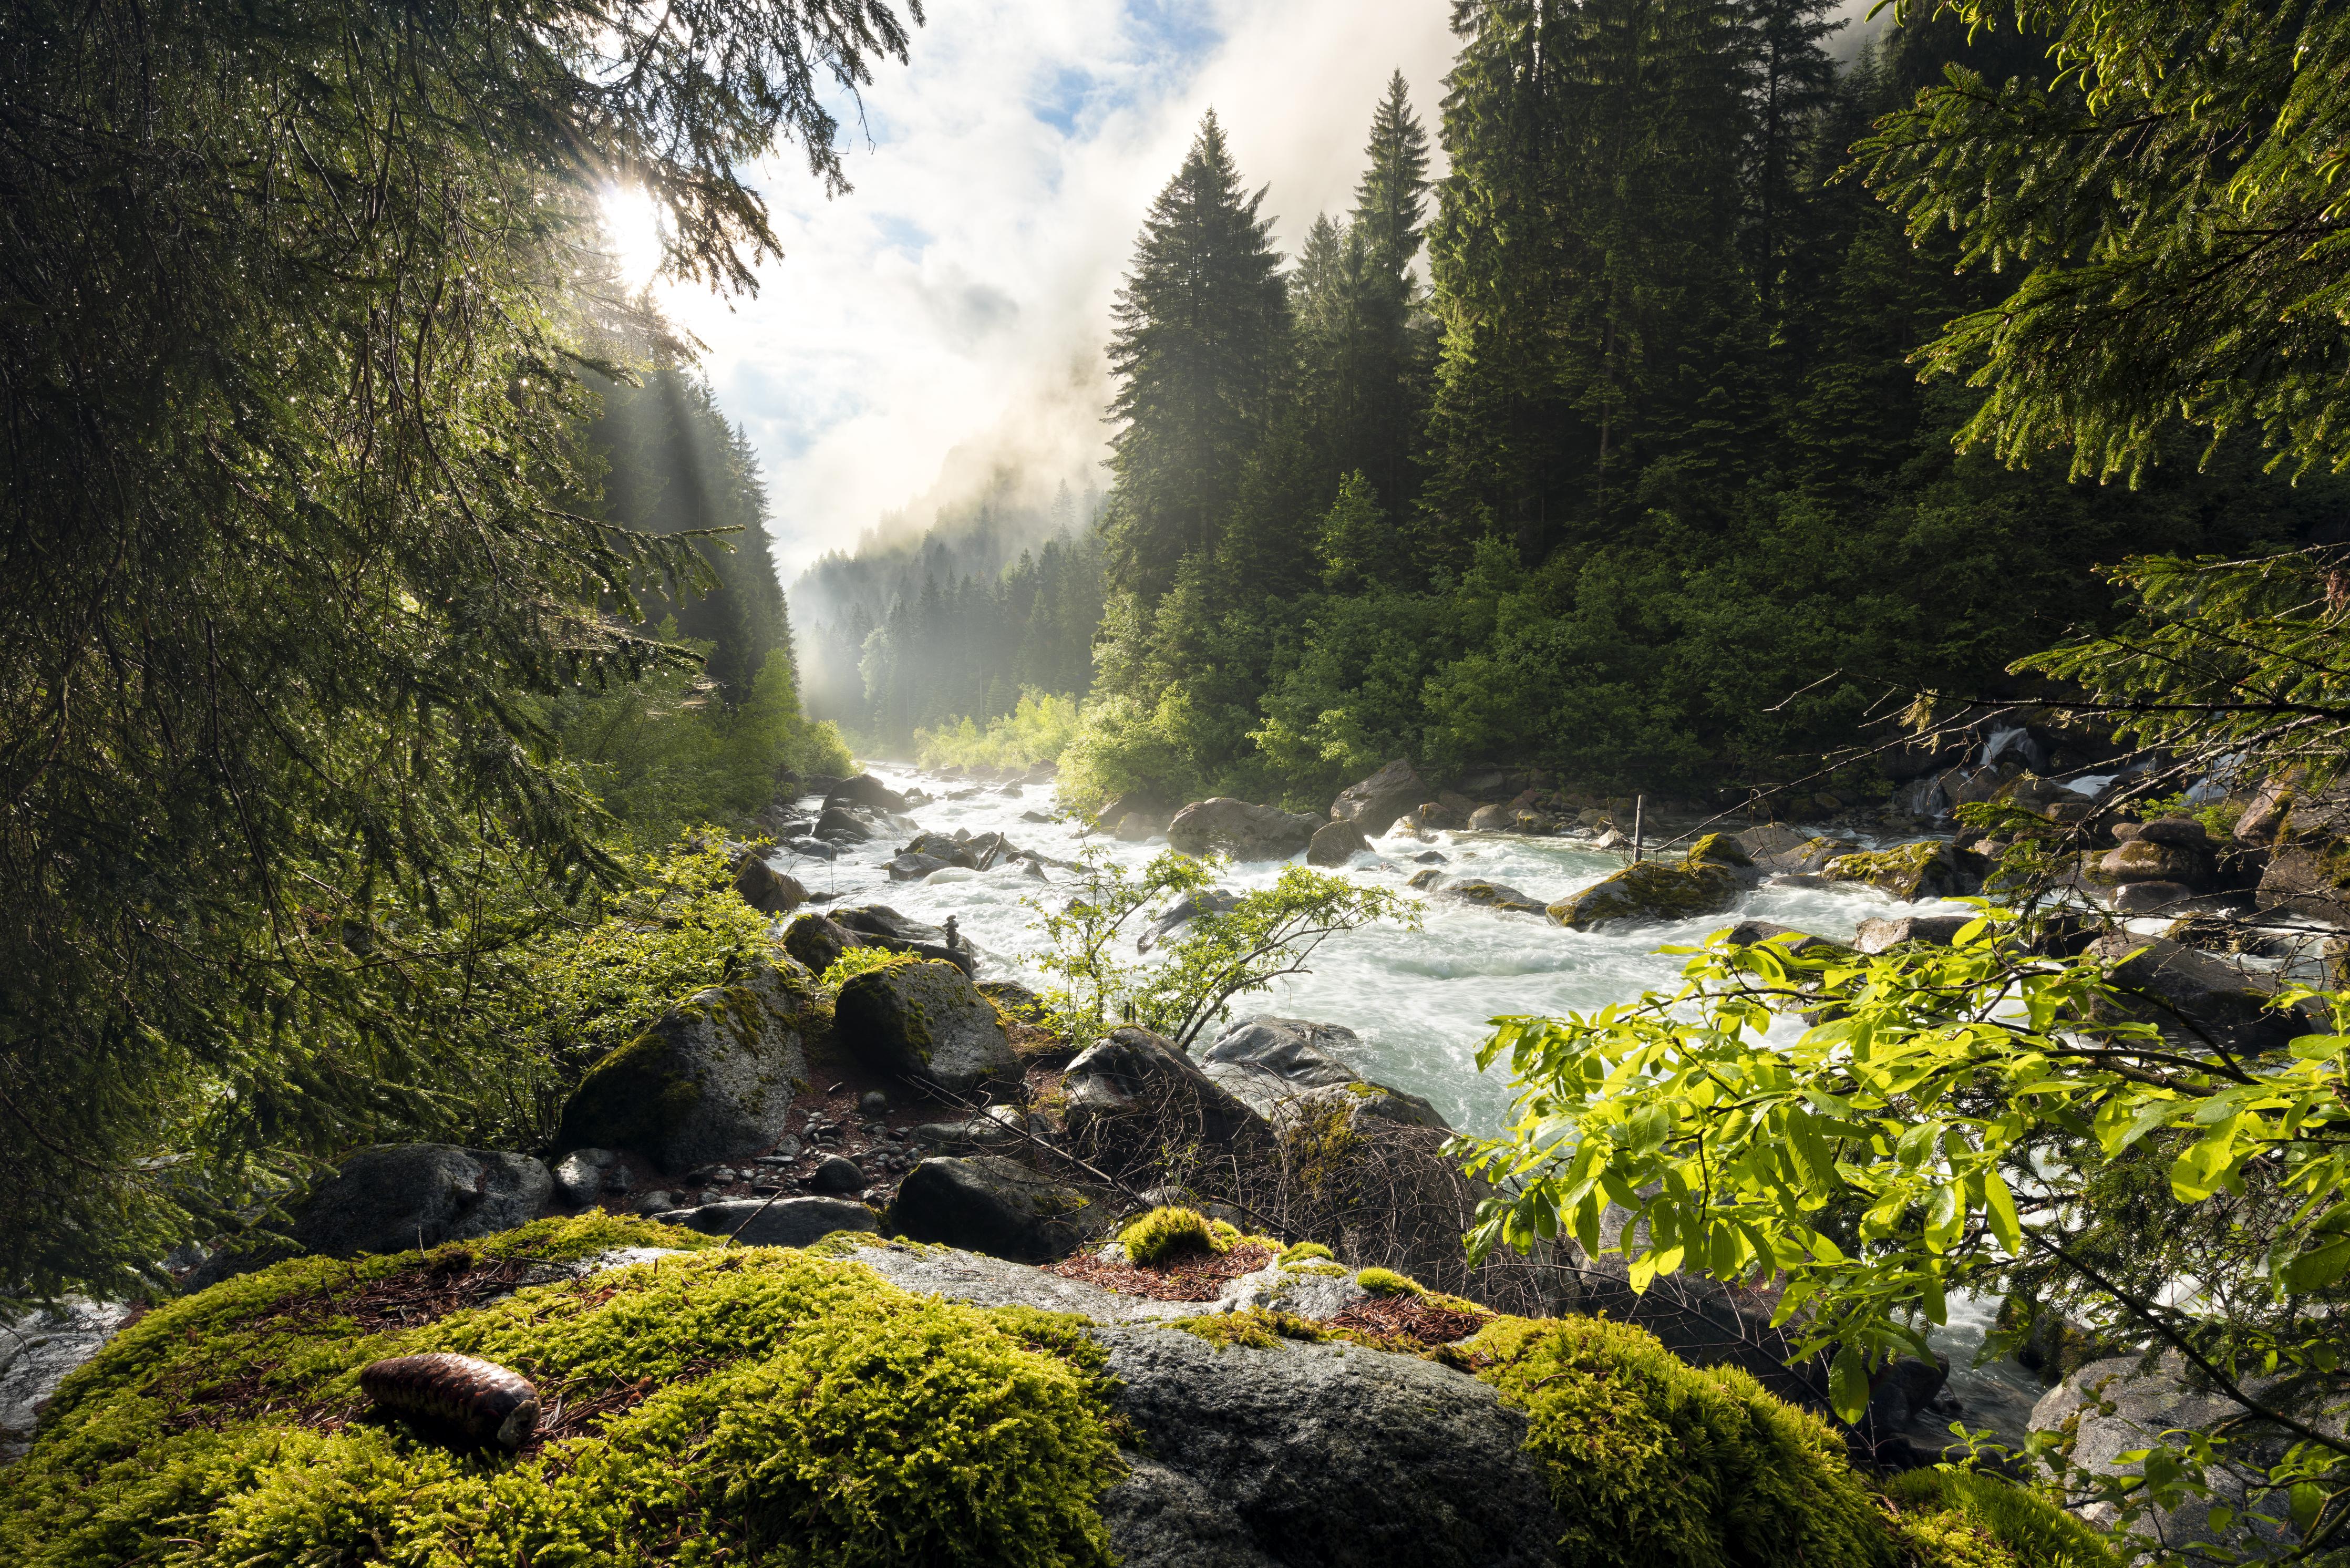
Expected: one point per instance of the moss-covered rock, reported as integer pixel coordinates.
(712, 1079)
(925, 1020)
(1706, 882)
(1926, 869)
(1652, 1461)
(728, 1406)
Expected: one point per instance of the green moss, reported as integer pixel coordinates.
(1315, 1270)
(1653, 890)
(1651, 1461)
(2033, 1532)
(1947, 1538)
(1169, 1233)
(1388, 1283)
(759, 1405)
(1908, 871)
(1300, 1252)
(1257, 1328)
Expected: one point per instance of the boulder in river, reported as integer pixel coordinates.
(925, 1021)
(1374, 805)
(711, 1079)
(1774, 846)
(1929, 868)
(988, 1203)
(1706, 881)
(764, 889)
(1224, 825)
(1880, 935)
(914, 867)
(1485, 895)
(841, 826)
(865, 791)
(1336, 844)
(2199, 998)
(880, 926)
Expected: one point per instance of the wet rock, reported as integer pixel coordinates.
(990, 1204)
(1802, 943)
(1706, 882)
(2144, 860)
(939, 846)
(1182, 912)
(710, 1080)
(2151, 898)
(1374, 805)
(1426, 881)
(811, 848)
(925, 1021)
(2199, 998)
(1140, 813)
(1876, 936)
(1490, 819)
(1486, 894)
(842, 825)
(783, 1222)
(1224, 825)
(764, 889)
(914, 867)
(1929, 868)
(865, 791)
(1274, 1065)
(880, 926)
(1336, 844)
(1774, 846)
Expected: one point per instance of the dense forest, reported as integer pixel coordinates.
(1642, 483)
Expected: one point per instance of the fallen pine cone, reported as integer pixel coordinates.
(480, 1398)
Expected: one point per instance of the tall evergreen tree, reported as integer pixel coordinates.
(1202, 335)
(1391, 203)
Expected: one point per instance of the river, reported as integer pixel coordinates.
(1417, 1000)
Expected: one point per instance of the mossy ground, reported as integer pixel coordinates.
(741, 1404)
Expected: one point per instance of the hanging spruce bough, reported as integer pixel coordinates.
(2176, 196)
(292, 300)
(1971, 1117)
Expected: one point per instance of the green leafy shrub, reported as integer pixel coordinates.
(854, 961)
(2034, 1531)
(759, 1404)
(1038, 730)
(1388, 1283)
(1652, 1462)
(1167, 1232)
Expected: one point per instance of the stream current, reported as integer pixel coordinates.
(1418, 1001)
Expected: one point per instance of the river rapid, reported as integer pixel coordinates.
(1419, 1000)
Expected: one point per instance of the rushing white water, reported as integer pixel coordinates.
(1419, 999)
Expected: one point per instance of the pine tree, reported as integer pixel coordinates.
(1202, 332)
(1391, 203)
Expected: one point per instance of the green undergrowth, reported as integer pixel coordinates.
(731, 1405)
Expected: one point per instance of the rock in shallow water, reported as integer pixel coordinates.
(1224, 825)
(1706, 882)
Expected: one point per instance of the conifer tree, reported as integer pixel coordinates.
(1391, 203)
(1202, 333)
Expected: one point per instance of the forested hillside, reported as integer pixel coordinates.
(992, 599)
(1642, 484)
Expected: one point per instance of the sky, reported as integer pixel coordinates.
(953, 308)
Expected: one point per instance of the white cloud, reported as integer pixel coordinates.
(960, 294)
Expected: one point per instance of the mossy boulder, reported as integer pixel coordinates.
(1705, 882)
(710, 1080)
(1485, 895)
(718, 1406)
(925, 1020)
(870, 1403)
(1926, 869)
